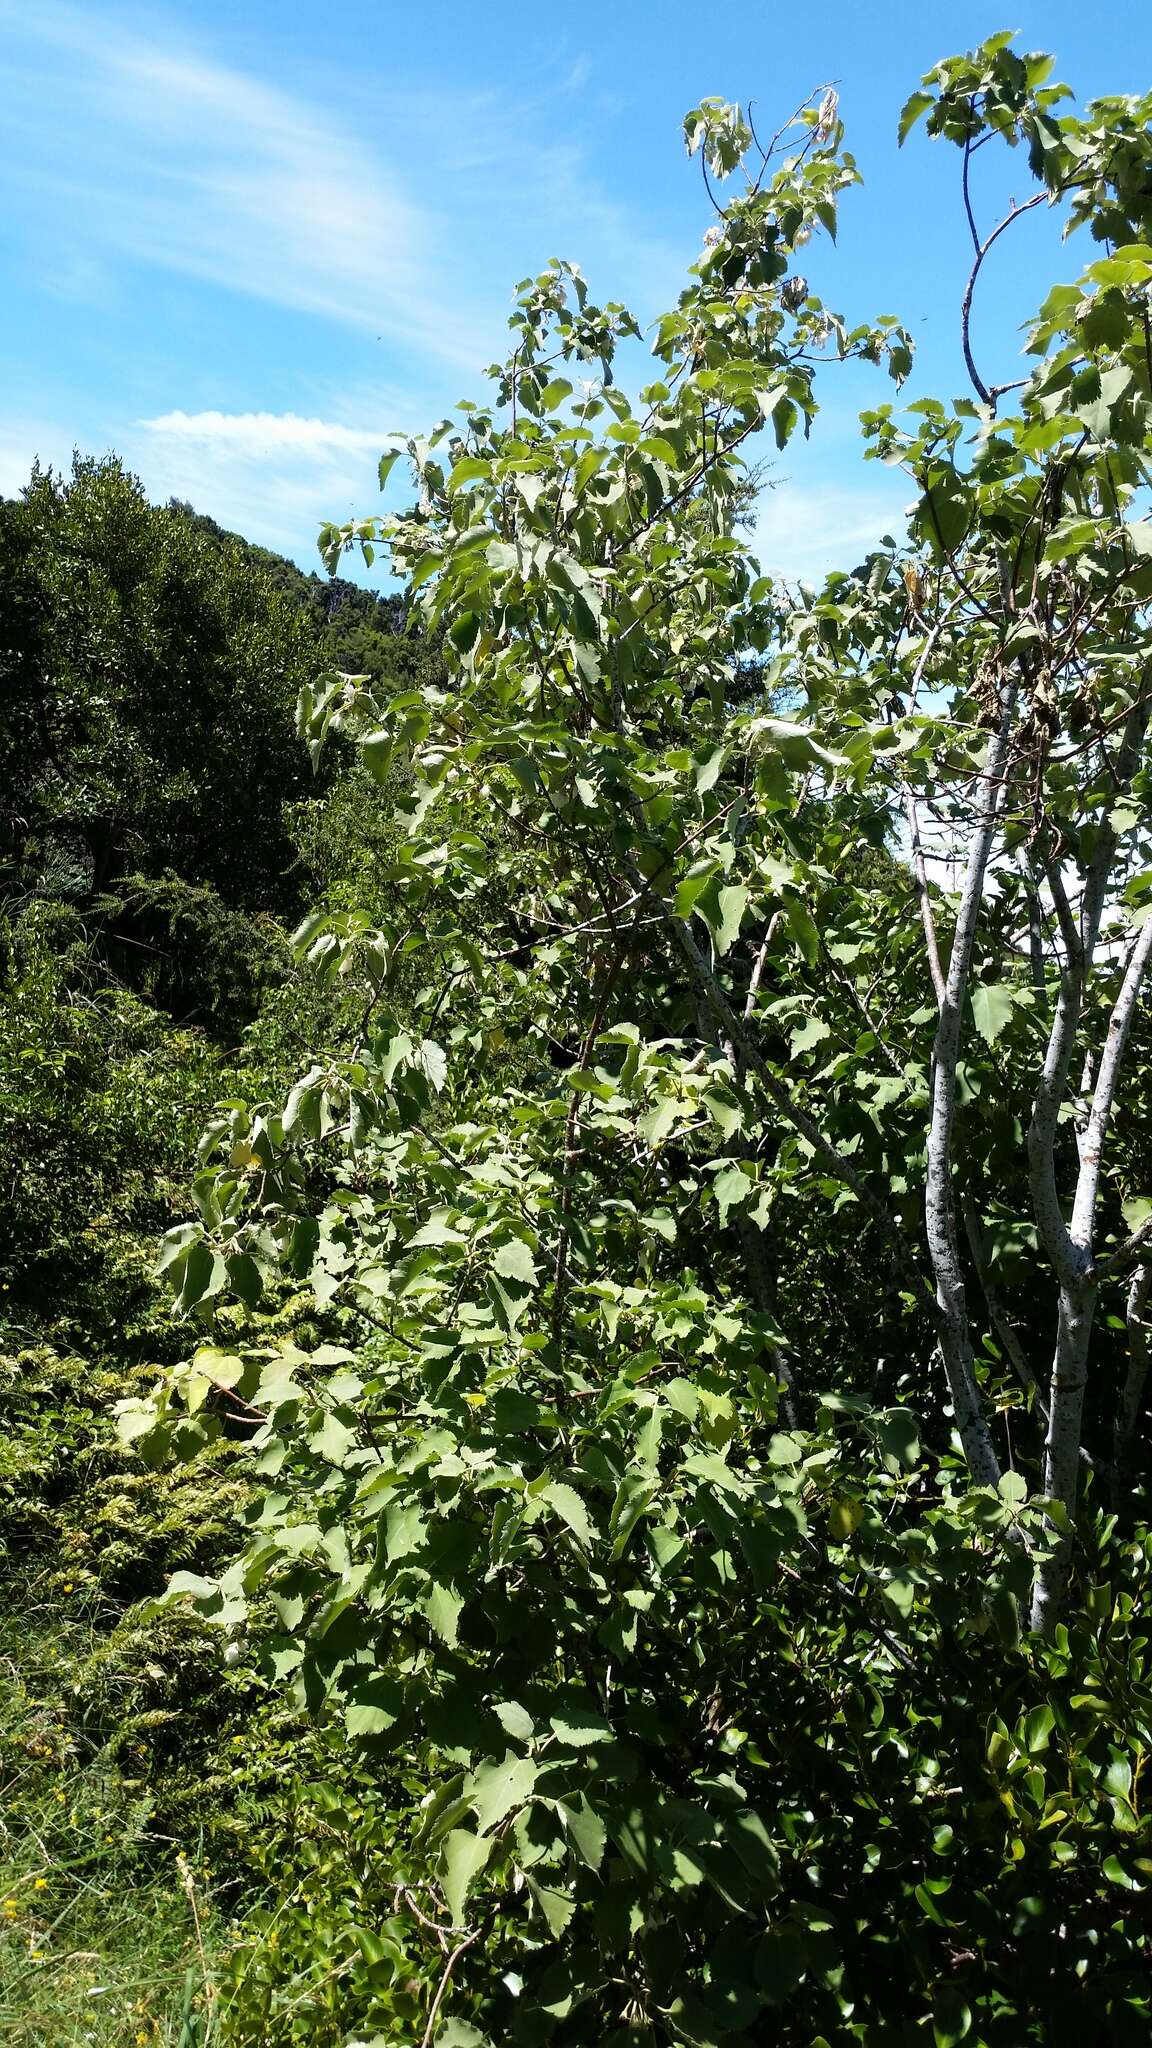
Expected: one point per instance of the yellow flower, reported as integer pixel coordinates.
(11, 1906)
(68, 1586)
(41, 1884)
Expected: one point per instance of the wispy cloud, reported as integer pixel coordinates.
(260, 433)
(805, 529)
(274, 477)
(136, 145)
(178, 161)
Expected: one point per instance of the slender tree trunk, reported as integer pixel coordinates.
(955, 1331)
(1035, 933)
(1078, 1296)
(1062, 1447)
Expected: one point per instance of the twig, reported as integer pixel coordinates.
(445, 1980)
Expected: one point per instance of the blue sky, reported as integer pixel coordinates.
(240, 244)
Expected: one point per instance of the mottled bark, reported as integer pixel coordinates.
(1078, 1295)
(955, 1333)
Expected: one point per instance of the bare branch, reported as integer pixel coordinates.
(920, 871)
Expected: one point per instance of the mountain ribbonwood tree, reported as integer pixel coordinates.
(677, 1620)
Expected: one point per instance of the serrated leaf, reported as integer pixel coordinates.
(914, 106)
(813, 1031)
(571, 1509)
(731, 904)
(515, 1720)
(464, 1856)
(496, 1788)
(992, 1006)
(514, 1261)
(581, 1727)
(732, 1187)
(443, 1607)
(374, 1707)
(585, 1830)
(556, 1906)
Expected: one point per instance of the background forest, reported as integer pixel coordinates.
(620, 1509)
(162, 832)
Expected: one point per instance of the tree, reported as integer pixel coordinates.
(149, 682)
(568, 1517)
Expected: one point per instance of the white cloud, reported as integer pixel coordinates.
(805, 529)
(124, 145)
(259, 433)
(24, 442)
(186, 164)
(274, 477)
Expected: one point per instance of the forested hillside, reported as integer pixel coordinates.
(162, 828)
(577, 1254)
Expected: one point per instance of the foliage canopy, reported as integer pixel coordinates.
(727, 1245)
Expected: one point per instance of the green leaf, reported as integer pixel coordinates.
(514, 1261)
(732, 1188)
(898, 1435)
(495, 1788)
(1038, 1726)
(515, 1720)
(374, 1707)
(708, 770)
(813, 1031)
(556, 1906)
(464, 1856)
(900, 1593)
(585, 1830)
(951, 2014)
(945, 511)
(245, 1278)
(443, 1607)
(205, 1275)
(992, 1006)
(571, 1509)
(917, 104)
(733, 902)
(635, 1491)
(802, 927)
(581, 1727)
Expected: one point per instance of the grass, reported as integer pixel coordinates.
(106, 1929)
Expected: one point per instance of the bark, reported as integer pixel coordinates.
(1062, 1448)
(955, 1332)
(1079, 954)
(1035, 934)
(1078, 1296)
(924, 896)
